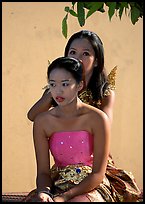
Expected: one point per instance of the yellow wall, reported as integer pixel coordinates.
(31, 34)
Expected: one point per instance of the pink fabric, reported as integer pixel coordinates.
(72, 147)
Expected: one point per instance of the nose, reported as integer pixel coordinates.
(79, 57)
(80, 60)
(59, 90)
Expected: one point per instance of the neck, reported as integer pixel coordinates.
(70, 110)
(87, 79)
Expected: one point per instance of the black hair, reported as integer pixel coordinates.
(70, 64)
(98, 81)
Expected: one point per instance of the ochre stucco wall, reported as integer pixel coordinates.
(31, 34)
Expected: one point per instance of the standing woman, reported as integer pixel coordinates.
(99, 89)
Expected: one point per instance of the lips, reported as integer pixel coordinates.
(60, 99)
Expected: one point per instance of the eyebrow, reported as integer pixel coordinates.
(83, 49)
(65, 80)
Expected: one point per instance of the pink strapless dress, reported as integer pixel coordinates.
(72, 147)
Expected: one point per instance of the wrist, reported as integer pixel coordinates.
(66, 196)
(43, 190)
(47, 96)
(47, 191)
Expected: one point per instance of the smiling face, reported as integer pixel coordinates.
(82, 49)
(63, 86)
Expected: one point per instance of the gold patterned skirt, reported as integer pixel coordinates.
(117, 186)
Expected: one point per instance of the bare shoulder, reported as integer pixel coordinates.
(109, 98)
(44, 123)
(44, 117)
(111, 93)
(96, 115)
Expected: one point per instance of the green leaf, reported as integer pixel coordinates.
(81, 13)
(95, 6)
(139, 5)
(73, 3)
(126, 11)
(124, 4)
(73, 13)
(101, 10)
(64, 26)
(88, 5)
(120, 12)
(67, 9)
(112, 6)
(121, 6)
(135, 13)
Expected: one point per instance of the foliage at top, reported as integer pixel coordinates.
(82, 10)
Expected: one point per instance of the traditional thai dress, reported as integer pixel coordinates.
(73, 158)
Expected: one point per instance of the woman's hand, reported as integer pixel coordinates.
(59, 199)
(45, 197)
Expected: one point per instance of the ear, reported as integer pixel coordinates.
(80, 85)
(96, 62)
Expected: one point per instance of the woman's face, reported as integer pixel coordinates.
(63, 86)
(82, 49)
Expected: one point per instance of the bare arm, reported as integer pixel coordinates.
(101, 152)
(42, 154)
(107, 105)
(42, 105)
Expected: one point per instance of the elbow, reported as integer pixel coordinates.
(30, 117)
(99, 177)
(109, 115)
(110, 118)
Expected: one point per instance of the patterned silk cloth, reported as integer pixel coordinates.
(73, 156)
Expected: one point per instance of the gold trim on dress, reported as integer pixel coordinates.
(73, 174)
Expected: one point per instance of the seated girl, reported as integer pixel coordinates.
(78, 136)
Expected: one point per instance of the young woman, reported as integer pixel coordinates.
(99, 89)
(78, 136)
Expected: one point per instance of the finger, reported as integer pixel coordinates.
(50, 199)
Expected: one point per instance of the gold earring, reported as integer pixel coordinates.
(48, 62)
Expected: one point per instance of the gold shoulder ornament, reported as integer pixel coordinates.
(111, 79)
(86, 95)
